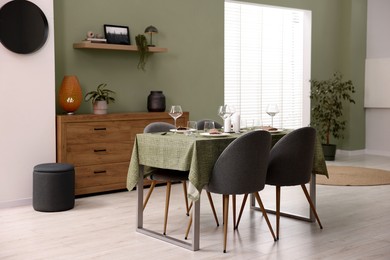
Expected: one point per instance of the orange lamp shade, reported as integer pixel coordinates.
(70, 96)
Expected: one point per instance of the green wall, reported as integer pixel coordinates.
(191, 72)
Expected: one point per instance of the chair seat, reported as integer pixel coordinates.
(169, 175)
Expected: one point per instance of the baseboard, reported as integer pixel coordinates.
(350, 153)
(362, 152)
(377, 152)
(16, 203)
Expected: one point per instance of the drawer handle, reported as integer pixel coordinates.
(97, 172)
(99, 150)
(100, 129)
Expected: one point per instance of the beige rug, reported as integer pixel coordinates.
(354, 176)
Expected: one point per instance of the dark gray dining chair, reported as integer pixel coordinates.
(165, 175)
(200, 124)
(290, 164)
(241, 169)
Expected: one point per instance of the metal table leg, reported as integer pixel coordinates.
(194, 246)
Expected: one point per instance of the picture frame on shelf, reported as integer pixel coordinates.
(117, 34)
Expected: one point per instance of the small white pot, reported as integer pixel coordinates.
(100, 107)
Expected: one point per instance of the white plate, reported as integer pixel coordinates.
(275, 131)
(178, 131)
(215, 135)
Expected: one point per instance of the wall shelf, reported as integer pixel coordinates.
(118, 47)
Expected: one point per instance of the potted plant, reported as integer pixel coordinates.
(327, 109)
(100, 98)
(143, 50)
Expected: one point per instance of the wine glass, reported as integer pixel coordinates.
(225, 112)
(175, 113)
(272, 110)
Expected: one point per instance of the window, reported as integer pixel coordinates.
(267, 60)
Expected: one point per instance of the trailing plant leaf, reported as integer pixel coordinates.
(143, 51)
(100, 94)
(329, 96)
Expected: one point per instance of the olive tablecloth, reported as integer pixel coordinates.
(195, 153)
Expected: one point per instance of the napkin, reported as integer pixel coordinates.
(227, 128)
(236, 122)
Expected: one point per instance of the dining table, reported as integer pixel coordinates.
(197, 154)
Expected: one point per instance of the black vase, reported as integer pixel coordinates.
(156, 101)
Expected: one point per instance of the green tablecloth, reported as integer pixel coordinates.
(196, 154)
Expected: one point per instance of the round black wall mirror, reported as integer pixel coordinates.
(23, 27)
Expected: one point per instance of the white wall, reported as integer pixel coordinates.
(27, 114)
(378, 50)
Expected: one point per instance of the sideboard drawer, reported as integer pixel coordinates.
(96, 177)
(86, 154)
(98, 132)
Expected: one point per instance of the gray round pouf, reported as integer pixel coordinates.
(53, 187)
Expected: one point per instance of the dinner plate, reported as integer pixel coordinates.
(275, 131)
(178, 131)
(215, 135)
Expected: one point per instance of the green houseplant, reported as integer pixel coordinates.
(143, 51)
(100, 98)
(327, 109)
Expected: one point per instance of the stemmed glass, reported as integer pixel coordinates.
(225, 112)
(272, 110)
(175, 113)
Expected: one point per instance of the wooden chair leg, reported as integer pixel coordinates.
(223, 211)
(212, 208)
(185, 197)
(234, 210)
(264, 214)
(188, 227)
(168, 194)
(152, 185)
(311, 204)
(277, 211)
(225, 220)
(190, 207)
(241, 210)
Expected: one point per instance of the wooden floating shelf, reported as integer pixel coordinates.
(118, 47)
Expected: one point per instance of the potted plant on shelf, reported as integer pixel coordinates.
(100, 98)
(329, 96)
(143, 50)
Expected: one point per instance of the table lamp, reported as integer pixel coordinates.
(151, 30)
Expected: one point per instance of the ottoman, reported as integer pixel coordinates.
(53, 187)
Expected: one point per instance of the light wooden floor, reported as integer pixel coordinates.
(356, 224)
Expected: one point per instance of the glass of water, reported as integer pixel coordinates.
(192, 128)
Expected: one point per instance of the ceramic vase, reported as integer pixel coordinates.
(70, 95)
(156, 101)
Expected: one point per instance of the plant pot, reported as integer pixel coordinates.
(100, 107)
(329, 151)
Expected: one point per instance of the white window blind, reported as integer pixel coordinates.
(267, 60)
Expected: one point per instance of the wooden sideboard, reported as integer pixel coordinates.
(100, 146)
